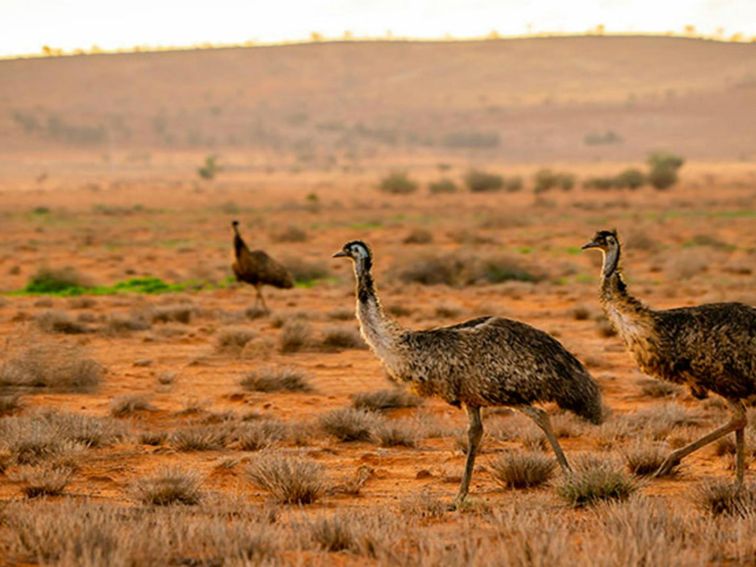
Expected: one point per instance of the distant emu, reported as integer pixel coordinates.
(709, 347)
(257, 268)
(488, 361)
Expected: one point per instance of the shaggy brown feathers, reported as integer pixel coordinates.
(256, 268)
(488, 361)
(710, 348)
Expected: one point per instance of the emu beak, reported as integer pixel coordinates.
(340, 254)
(589, 245)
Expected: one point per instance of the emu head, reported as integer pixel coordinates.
(604, 240)
(359, 252)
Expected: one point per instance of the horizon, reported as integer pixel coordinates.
(32, 28)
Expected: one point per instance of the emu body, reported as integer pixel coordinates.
(710, 348)
(487, 361)
(256, 268)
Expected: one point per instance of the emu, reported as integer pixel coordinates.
(257, 268)
(710, 348)
(487, 361)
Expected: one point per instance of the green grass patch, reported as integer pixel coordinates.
(143, 285)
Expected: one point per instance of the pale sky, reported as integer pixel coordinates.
(27, 25)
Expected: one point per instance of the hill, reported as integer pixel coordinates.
(568, 98)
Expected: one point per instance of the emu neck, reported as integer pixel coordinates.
(378, 330)
(626, 313)
(239, 244)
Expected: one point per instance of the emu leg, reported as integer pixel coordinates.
(737, 424)
(542, 420)
(260, 298)
(474, 434)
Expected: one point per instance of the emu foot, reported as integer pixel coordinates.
(668, 466)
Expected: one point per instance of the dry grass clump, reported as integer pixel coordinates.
(382, 400)
(123, 324)
(581, 313)
(687, 263)
(422, 505)
(198, 438)
(56, 366)
(595, 481)
(168, 486)
(277, 379)
(519, 469)
(723, 497)
(418, 236)
(305, 271)
(60, 322)
(659, 420)
(338, 338)
(605, 328)
(361, 533)
(43, 480)
(291, 480)
(295, 336)
(178, 313)
(152, 437)
(129, 404)
(257, 435)
(32, 438)
(341, 314)
(659, 389)
(402, 433)
(644, 458)
(289, 233)
(9, 404)
(255, 312)
(81, 302)
(234, 339)
(349, 424)
(567, 425)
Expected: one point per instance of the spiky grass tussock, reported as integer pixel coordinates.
(257, 435)
(381, 400)
(519, 469)
(398, 433)
(644, 458)
(198, 438)
(169, 486)
(295, 336)
(349, 424)
(724, 497)
(291, 480)
(44, 480)
(595, 480)
(277, 379)
(129, 404)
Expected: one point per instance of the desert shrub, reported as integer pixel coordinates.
(516, 469)
(663, 168)
(461, 269)
(43, 480)
(255, 312)
(180, 313)
(594, 481)
(402, 433)
(581, 313)
(605, 327)
(9, 404)
(209, 169)
(398, 183)
(478, 181)
(254, 436)
(349, 424)
(418, 236)
(129, 404)
(602, 138)
(471, 139)
(168, 486)
(57, 281)
(546, 179)
(277, 379)
(600, 183)
(382, 400)
(723, 497)
(122, 324)
(306, 272)
(291, 480)
(234, 339)
(60, 322)
(55, 366)
(198, 438)
(659, 389)
(422, 505)
(630, 178)
(337, 338)
(289, 233)
(341, 314)
(644, 458)
(81, 303)
(442, 186)
(513, 183)
(295, 336)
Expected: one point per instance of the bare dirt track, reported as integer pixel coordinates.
(136, 208)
